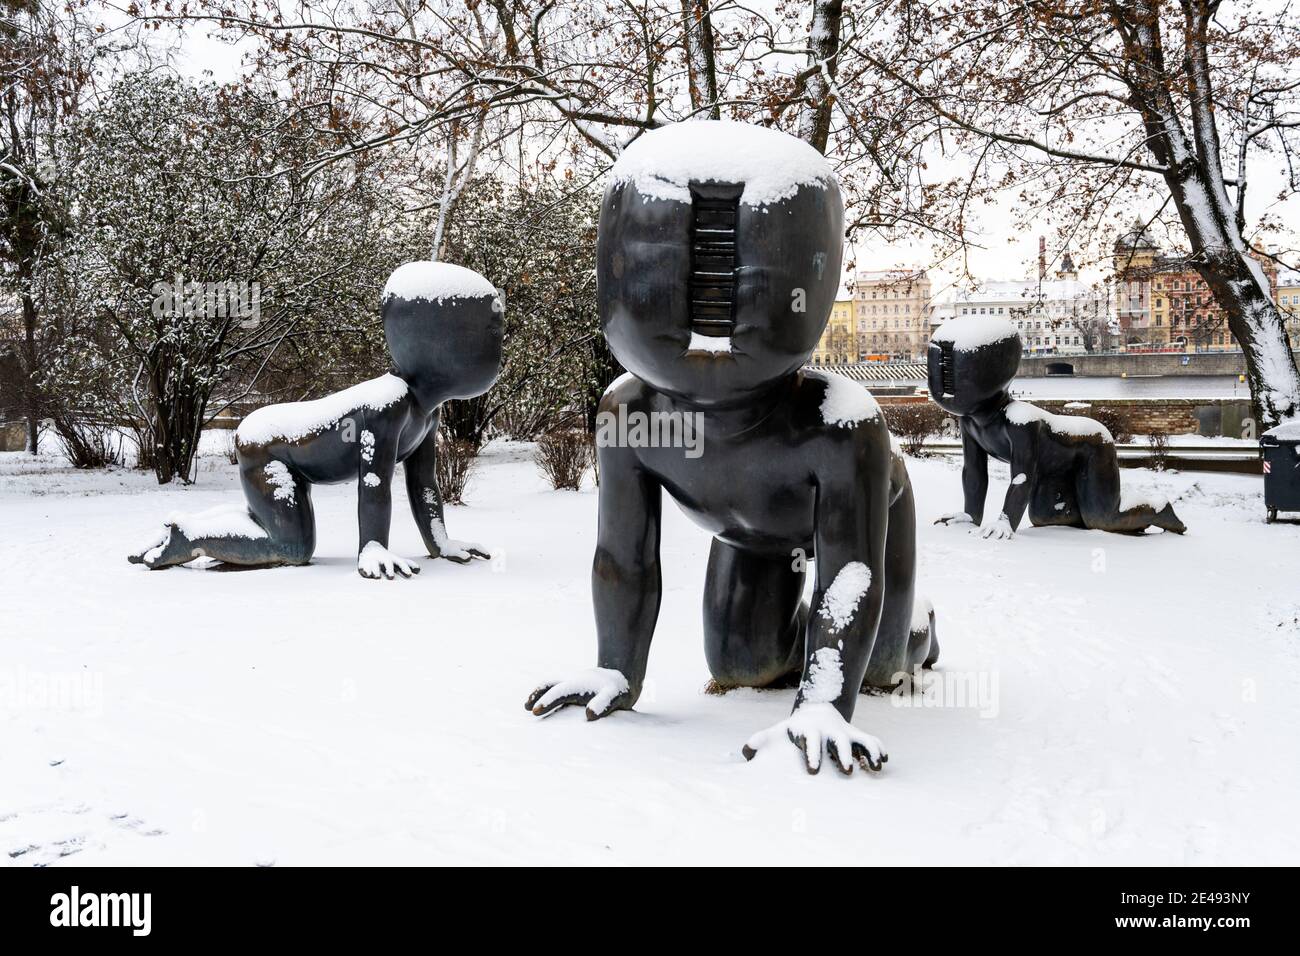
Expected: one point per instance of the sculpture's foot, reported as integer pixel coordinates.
(818, 729)
(601, 690)
(168, 550)
(1169, 521)
(462, 552)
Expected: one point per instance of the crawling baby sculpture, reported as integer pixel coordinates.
(718, 260)
(443, 325)
(1063, 467)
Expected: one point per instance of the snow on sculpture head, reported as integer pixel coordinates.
(443, 324)
(972, 358)
(717, 258)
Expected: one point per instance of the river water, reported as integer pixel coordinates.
(1170, 386)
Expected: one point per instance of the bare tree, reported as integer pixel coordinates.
(1075, 108)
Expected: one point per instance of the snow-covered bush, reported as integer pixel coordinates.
(914, 423)
(564, 455)
(456, 461)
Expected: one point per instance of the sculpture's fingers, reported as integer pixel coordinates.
(755, 743)
(811, 748)
(541, 710)
(869, 751)
(841, 752)
(537, 694)
(475, 552)
(600, 704)
(402, 568)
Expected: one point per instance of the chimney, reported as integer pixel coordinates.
(1042, 258)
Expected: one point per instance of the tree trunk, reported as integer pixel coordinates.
(823, 49)
(1194, 177)
(697, 38)
(31, 394)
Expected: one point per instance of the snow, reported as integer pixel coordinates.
(709, 343)
(1019, 479)
(771, 164)
(970, 332)
(846, 402)
(825, 678)
(280, 480)
(227, 520)
(1077, 426)
(840, 602)
(291, 421)
(1133, 497)
(371, 480)
(922, 608)
(367, 445)
(436, 281)
(304, 715)
(1287, 431)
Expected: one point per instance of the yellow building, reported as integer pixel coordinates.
(892, 310)
(839, 343)
(1288, 300)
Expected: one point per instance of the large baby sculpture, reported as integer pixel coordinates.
(1063, 467)
(443, 325)
(718, 259)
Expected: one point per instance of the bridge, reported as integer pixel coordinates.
(1132, 364)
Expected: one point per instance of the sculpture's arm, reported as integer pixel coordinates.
(376, 460)
(852, 518)
(422, 491)
(1024, 469)
(974, 475)
(625, 588)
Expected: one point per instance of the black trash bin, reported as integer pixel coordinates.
(1280, 449)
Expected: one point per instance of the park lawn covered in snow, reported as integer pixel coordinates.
(1128, 700)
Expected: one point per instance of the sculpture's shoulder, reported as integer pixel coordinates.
(840, 407)
(1073, 428)
(628, 391)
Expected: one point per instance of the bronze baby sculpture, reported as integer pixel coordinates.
(443, 325)
(718, 260)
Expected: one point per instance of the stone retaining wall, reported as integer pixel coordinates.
(1207, 417)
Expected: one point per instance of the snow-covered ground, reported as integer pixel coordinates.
(1124, 700)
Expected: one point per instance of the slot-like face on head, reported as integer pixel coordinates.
(443, 324)
(718, 258)
(971, 360)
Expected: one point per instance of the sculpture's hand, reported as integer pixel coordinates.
(462, 552)
(602, 689)
(1000, 529)
(957, 517)
(376, 561)
(815, 728)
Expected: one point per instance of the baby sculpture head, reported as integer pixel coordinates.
(718, 258)
(972, 359)
(443, 324)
